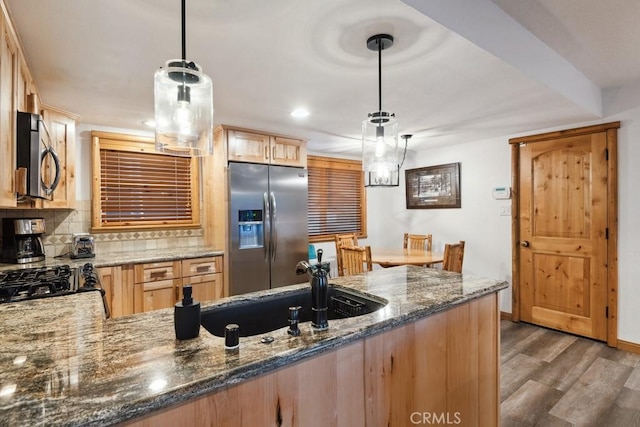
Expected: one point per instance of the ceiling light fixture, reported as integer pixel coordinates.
(183, 106)
(380, 132)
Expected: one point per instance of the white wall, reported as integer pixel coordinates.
(83, 155)
(487, 234)
(486, 164)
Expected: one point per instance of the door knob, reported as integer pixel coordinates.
(524, 243)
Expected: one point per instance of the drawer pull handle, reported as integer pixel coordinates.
(158, 274)
(203, 268)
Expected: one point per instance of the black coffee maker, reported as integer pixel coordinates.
(22, 240)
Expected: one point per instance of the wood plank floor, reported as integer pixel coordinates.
(549, 378)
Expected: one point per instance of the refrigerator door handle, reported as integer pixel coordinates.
(266, 228)
(274, 227)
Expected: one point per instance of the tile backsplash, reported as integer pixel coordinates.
(62, 224)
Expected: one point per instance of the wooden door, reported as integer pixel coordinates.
(563, 225)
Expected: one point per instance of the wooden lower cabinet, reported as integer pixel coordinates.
(439, 370)
(137, 288)
(205, 277)
(156, 285)
(155, 295)
(117, 283)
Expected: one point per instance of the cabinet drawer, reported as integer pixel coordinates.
(158, 285)
(156, 271)
(200, 266)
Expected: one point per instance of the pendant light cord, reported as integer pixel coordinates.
(380, 74)
(184, 32)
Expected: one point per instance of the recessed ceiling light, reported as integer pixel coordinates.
(150, 123)
(299, 113)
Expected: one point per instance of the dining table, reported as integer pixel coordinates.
(391, 257)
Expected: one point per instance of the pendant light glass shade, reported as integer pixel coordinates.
(183, 101)
(380, 133)
(380, 150)
(183, 110)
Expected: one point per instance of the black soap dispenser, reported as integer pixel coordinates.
(186, 316)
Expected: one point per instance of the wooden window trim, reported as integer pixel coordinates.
(336, 164)
(135, 144)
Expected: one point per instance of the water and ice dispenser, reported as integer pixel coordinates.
(250, 228)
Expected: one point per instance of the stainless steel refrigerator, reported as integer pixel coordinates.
(268, 226)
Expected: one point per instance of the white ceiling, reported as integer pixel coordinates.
(459, 70)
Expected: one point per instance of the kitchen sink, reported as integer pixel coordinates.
(272, 312)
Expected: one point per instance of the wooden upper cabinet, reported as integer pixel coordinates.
(18, 93)
(255, 147)
(288, 151)
(62, 131)
(248, 147)
(8, 90)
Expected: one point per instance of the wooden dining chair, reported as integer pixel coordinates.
(453, 256)
(343, 240)
(356, 259)
(417, 241)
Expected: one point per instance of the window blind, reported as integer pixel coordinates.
(144, 188)
(336, 199)
(140, 188)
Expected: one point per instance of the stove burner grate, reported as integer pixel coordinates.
(29, 283)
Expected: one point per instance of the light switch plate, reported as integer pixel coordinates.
(505, 210)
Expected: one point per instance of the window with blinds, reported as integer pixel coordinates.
(135, 187)
(337, 202)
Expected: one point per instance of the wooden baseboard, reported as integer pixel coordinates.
(629, 346)
(505, 316)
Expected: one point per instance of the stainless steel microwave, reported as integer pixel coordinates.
(32, 151)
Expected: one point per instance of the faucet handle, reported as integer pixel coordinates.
(319, 253)
(294, 318)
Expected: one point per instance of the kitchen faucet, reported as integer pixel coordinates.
(319, 290)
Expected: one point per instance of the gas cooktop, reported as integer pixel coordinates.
(30, 283)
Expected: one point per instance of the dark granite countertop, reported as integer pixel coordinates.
(108, 259)
(62, 363)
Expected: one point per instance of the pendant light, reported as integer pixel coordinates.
(183, 106)
(380, 132)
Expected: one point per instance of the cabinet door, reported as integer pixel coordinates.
(248, 147)
(206, 287)
(117, 283)
(288, 152)
(155, 295)
(62, 130)
(8, 89)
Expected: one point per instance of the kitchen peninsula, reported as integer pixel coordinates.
(432, 351)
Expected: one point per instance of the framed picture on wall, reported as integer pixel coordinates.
(433, 187)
